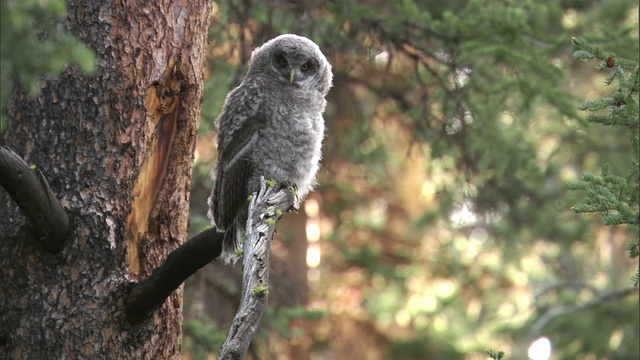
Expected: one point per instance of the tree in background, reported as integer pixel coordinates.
(613, 196)
(442, 225)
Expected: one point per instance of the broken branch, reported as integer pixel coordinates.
(30, 190)
(265, 210)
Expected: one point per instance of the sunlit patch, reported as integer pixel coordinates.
(402, 318)
(382, 58)
(462, 216)
(313, 231)
(540, 349)
(616, 339)
(313, 255)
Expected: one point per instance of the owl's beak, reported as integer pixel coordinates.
(292, 74)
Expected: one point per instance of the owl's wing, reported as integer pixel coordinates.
(239, 132)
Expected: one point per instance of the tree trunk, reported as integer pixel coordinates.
(116, 147)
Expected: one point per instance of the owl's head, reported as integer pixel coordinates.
(292, 60)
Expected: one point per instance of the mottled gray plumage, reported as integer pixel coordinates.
(271, 125)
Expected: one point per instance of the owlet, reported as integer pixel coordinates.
(271, 125)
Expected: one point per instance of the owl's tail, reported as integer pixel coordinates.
(231, 243)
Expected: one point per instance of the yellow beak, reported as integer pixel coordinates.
(291, 75)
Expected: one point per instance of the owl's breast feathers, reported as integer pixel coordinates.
(289, 147)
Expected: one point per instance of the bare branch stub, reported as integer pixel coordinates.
(265, 209)
(149, 294)
(28, 187)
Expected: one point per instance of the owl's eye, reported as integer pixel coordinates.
(281, 61)
(308, 66)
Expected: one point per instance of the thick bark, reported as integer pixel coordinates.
(116, 147)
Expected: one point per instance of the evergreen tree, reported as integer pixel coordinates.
(613, 196)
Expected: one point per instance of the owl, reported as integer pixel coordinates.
(271, 125)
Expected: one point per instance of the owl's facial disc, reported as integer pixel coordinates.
(294, 69)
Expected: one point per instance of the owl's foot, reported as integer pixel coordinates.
(294, 189)
(286, 184)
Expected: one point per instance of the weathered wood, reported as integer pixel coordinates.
(265, 209)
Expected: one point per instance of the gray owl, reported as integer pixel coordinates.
(271, 125)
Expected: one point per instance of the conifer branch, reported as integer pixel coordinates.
(612, 196)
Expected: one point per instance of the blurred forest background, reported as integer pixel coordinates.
(447, 220)
(442, 225)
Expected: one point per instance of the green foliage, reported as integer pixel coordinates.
(204, 336)
(495, 355)
(283, 322)
(614, 197)
(280, 319)
(476, 79)
(416, 348)
(604, 318)
(451, 132)
(34, 44)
